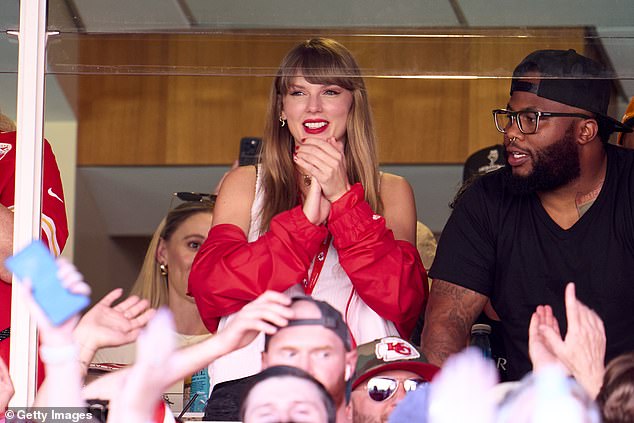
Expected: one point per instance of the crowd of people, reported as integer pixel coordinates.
(300, 287)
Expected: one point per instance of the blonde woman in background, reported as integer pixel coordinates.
(163, 276)
(163, 282)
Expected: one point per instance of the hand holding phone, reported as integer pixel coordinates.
(36, 263)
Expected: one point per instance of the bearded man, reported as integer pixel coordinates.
(561, 211)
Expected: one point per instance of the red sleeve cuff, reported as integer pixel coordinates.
(352, 218)
(295, 222)
(355, 194)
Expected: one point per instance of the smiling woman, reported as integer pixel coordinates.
(337, 238)
(310, 218)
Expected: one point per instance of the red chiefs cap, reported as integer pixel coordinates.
(390, 353)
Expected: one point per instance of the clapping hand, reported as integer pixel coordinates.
(582, 350)
(325, 161)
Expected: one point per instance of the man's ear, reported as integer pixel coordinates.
(588, 130)
(351, 362)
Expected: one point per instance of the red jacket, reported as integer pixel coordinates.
(388, 274)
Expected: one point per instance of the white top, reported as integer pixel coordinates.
(333, 286)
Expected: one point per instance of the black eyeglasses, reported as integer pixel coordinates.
(527, 120)
(381, 388)
(192, 197)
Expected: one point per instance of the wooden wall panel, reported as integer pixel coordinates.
(174, 99)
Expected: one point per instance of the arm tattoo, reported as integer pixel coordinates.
(450, 313)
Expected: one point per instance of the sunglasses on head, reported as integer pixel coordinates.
(194, 196)
(381, 388)
(181, 197)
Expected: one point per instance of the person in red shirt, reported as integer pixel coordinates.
(54, 224)
(315, 216)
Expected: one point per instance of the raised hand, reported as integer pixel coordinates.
(71, 280)
(62, 385)
(538, 347)
(264, 314)
(148, 378)
(107, 326)
(324, 160)
(582, 350)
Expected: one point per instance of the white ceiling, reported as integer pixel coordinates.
(612, 19)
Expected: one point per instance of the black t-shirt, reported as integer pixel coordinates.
(508, 248)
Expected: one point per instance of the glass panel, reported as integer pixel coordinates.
(149, 97)
(178, 101)
(9, 15)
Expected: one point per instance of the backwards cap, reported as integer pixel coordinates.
(330, 319)
(569, 78)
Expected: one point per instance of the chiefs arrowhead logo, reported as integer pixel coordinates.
(4, 149)
(392, 349)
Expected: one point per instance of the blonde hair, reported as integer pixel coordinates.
(319, 61)
(6, 124)
(150, 283)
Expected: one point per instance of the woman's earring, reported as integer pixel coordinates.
(163, 268)
(282, 122)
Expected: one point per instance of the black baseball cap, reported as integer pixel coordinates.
(330, 318)
(569, 78)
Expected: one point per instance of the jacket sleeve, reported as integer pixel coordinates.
(387, 273)
(54, 222)
(228, 271)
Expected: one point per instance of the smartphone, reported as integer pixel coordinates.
(38, 264)
(249, 151)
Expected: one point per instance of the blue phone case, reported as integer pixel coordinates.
(36, 263)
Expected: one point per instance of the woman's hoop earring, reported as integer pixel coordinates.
(163, 268)
(282, 122)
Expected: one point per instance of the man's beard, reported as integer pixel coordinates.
(359, 416)
(553, 166)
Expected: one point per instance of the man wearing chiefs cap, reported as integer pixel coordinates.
(386, 369)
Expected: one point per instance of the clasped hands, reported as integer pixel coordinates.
(324, 161)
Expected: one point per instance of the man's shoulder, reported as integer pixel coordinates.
(488, 188)
(620, 162)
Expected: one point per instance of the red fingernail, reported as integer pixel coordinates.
(296, 147)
